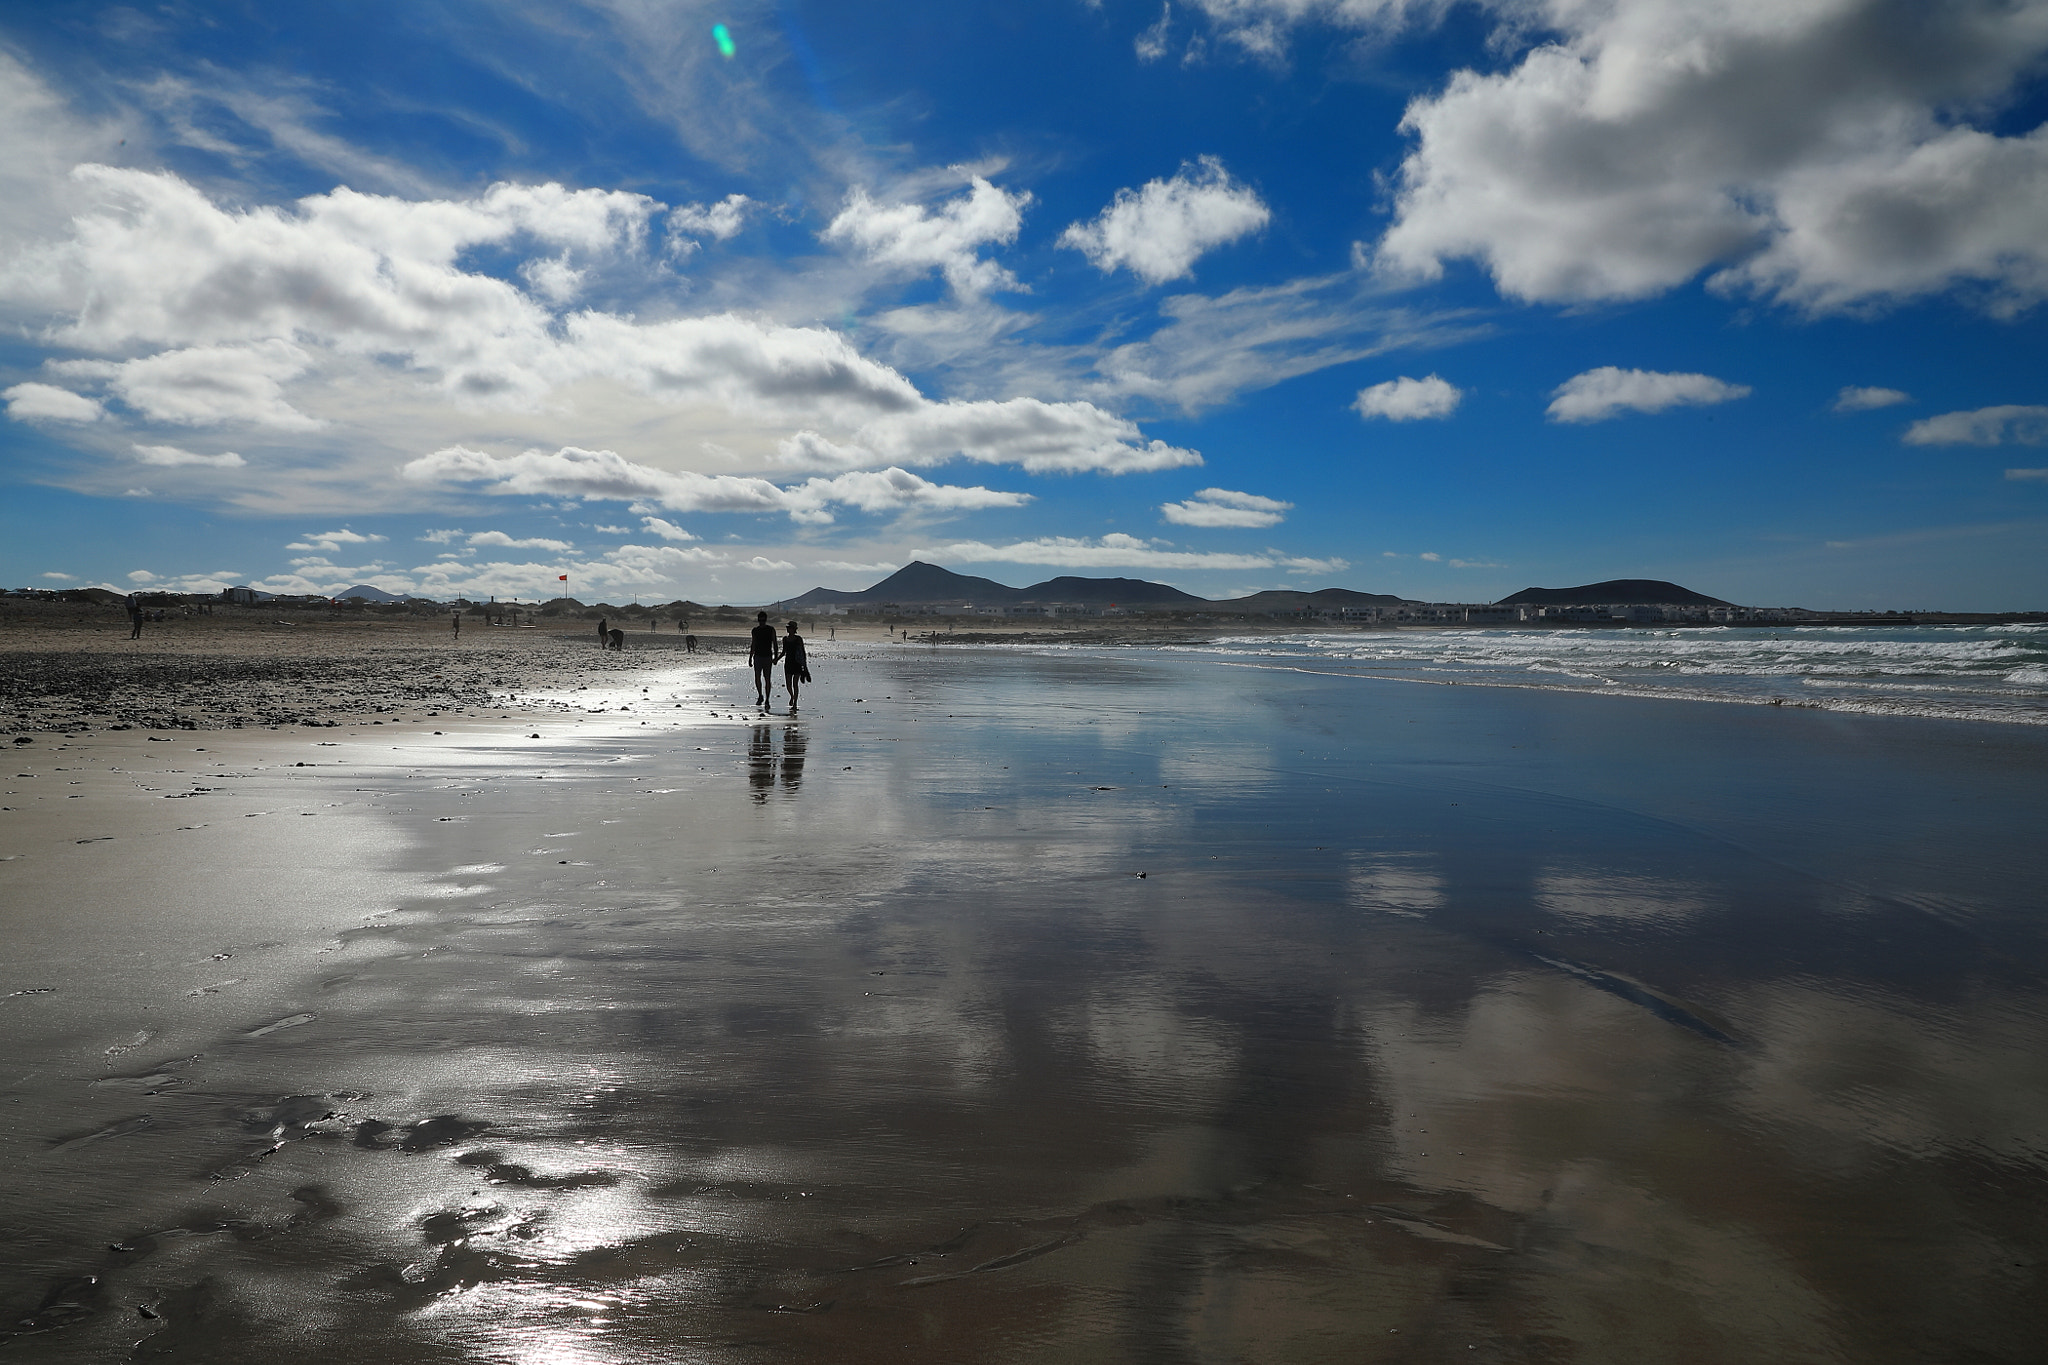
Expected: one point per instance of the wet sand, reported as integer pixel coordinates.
(1024, 1009)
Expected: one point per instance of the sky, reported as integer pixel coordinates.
(728, 301)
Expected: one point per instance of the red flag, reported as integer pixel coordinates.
(564, 577)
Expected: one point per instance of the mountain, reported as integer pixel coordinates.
(369, 594)
(916, 581)
(1288, 599)
(1121, 591)
(1625, 591)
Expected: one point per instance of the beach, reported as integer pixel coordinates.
(511, 1001)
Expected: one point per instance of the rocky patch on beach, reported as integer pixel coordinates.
(71, 690)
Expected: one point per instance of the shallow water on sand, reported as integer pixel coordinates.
(1024, 1009)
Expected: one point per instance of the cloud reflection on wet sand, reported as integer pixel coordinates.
(868, 1042)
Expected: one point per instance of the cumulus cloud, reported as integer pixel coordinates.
(185, 582)
(887, 490)
(1038, 436)
(1819, 153)
(719, 221)
(1158, 232)
(1117, 550)
(2031, 475)
(207, 385)
(2007, 424)
(667, 530)
(60, 577)
(172, 456)
(1609, 390)
(327, 542)
(1855, 399)
(1408, 400)
(500, 540)
(605, 474)
(1222, 507)
(48, 403)
(909, 237)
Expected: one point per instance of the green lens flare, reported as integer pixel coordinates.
(723, 37)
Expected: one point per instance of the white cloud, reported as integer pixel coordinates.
(553, 278)
(1262, 26)
(887, 566)
(60, 577)
(1818, 151)
(1213, 349)
(907, 237)
(1408, 400)
(442, 537)
(1432, 556)
(137, 493)
(2032, 475)
(173, 456)
(500, 540)
(1609, 390)
(48, 403)
(1855, 399)
(1150, 45)
(1039, 436)
(1213, 507)
(763, 564)
(1158, 232)
(186, 582)
(667, 530)
(207, 385)
(594, 474)
(1475, 564)
(327, 542)
(892, 489)
(2017, 424)
(1116, 550)
(719, 221)
(604, 474)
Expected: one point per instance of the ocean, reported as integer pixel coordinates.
(1995, 673)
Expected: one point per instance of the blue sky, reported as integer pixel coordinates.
(1440, 299)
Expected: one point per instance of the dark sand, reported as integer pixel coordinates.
(1442, 1023)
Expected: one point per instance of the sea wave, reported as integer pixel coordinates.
(1970, 672)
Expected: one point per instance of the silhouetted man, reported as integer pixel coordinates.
(762, 652)
(134, 617)
(604, 632)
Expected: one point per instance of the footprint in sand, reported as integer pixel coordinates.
(143, 1036)
(289, 1021)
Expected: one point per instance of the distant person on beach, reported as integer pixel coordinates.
(689, 644)
(616, 639)
(762, 652)
(604, 632)
(134, 618)
(456, 621)
(795, 671)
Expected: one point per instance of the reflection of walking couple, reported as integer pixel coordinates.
(765, 650)
(761, 760)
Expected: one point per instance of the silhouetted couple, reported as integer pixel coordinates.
(763, 652)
